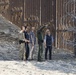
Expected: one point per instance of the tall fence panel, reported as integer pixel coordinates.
(35, 11)
(65, 24)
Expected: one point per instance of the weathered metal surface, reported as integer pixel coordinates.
(19, 10)
(65, 23)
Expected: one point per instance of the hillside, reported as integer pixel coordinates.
(8, 40)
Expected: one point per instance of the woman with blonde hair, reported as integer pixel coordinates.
(48, 44)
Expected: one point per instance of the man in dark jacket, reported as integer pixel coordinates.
(40, 41)
(26, 35)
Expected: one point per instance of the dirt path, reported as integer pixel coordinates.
(38, 68)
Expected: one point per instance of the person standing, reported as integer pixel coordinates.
(25, 30)
(32, 43)
(27, 41)
(22, 43)
(48, 44)
(40, 42)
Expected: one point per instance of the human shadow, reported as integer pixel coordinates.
(62, 64)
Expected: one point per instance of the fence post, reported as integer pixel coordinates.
(23, 16)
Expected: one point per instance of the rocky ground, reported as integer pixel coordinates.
(62, 63)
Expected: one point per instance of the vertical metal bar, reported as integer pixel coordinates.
(23, 16)
(74, 12)
(40, 12)
(62, 13)
(66, 21)
(74, 48)
(56, 25)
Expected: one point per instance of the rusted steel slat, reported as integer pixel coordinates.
(60, 30)
(2, 3)
(16, 11)
(34, 21)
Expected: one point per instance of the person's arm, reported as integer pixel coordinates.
(32, 40)
(45, 41)
(41, 28)
(21, 31)
(52, 41)
(26, 40)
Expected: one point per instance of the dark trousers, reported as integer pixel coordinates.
(48, 48)
(27, 51)
(40, 52)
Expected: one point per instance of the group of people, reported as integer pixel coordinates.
(30, 42)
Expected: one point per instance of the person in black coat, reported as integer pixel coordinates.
(40, 41)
